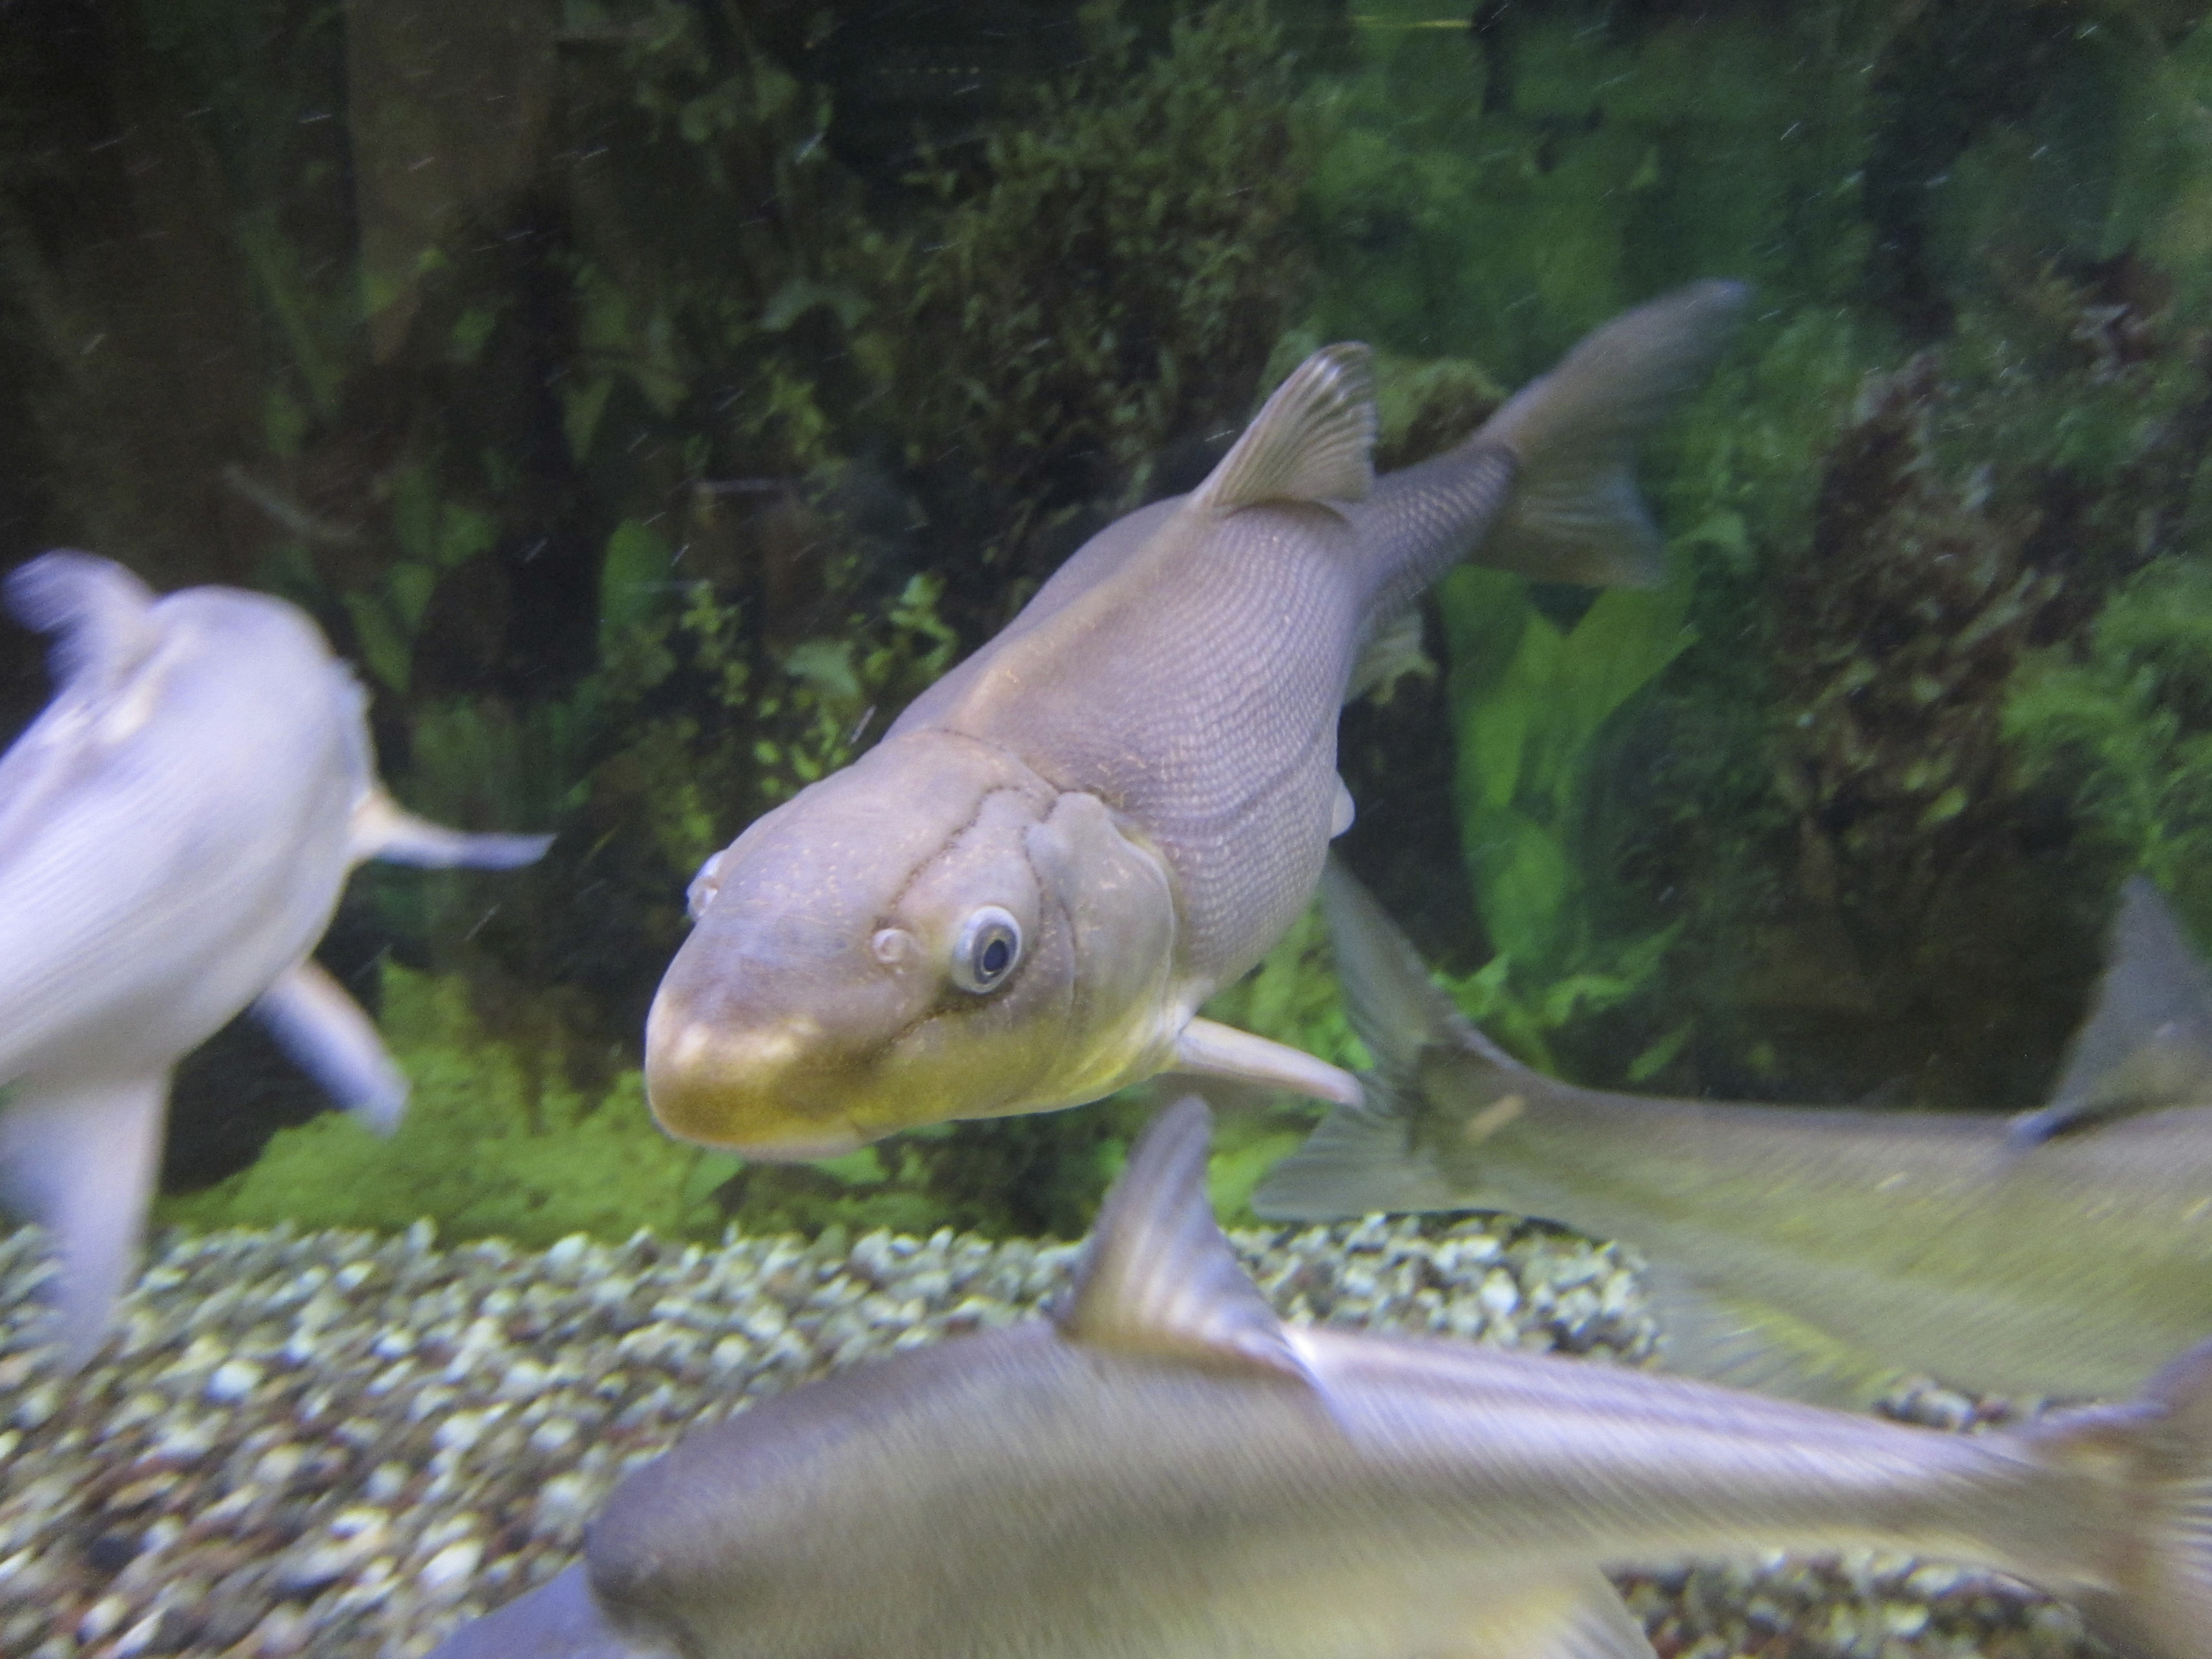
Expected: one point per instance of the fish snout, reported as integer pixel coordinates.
(766, 1091)
(776, 1054)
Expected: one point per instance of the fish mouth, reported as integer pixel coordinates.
(760, 1093)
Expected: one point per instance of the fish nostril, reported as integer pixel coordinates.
(894, 947)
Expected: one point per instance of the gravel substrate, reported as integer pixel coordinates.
(335, 1443)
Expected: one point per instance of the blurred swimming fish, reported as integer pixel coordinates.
(1813, 1251)
(1017, 900)
(1166, 1468)
(174, 830)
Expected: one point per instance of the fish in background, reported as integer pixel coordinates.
(174, 830)
(1019, 898)
(1815, 1251)
(1163, 1467)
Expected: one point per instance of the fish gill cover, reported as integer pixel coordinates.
(730, 371)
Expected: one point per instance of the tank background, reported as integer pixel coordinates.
(651, 397)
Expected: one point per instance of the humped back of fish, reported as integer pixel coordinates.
(174, 827)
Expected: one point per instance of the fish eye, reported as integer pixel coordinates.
(990, 945)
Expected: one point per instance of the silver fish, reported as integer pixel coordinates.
(1166, 1470)
(1814, 1251)
(174, 830)
(1018, 899)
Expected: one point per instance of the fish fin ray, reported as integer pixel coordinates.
(1576, 514)
(331, 1038)
(79, 1159)
(1597, 1626)
(1205, 1048)
(1580, 1616)
(2152, 1594)
(1746, 1343)
(1394, 649)
(1359, 1160)
(382, 828)
(1368, 1158)
(1158, 1276)
(2148, 1041)
(1394, 1007)
(99, 613)
(1313, 440)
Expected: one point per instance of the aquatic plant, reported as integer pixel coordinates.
(2122, 730)
(1980, 505)
(1897, 634)
(1493, 193)
(502, 1137)
(1111, 290)
(1530, 697)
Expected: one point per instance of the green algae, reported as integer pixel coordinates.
(500, 1139)
(1494, 196)
(2124, 730)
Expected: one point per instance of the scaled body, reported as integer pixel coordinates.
(1170, 1472)
(174, 832)
(1816, 1250)
(1019, 898)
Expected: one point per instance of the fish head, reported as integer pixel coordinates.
(934, 932)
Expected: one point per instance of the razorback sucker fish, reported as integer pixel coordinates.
(174, 830)
(1017, 900)
(1166, 1470)
(1814, 1251)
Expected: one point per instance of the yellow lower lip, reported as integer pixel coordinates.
(734, 1091)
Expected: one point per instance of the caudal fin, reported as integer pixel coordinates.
(1376, 1156)
(1576, 515)
(2151, 1590)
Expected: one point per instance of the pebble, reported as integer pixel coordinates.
(335, 1445)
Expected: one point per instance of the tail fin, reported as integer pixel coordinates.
(1373, 1157)
(2154, 1589)
(1576, 515)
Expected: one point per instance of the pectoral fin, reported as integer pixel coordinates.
(382, 828)
(2148, 1041)
(1207, 1048)
(79, 1158)
(331, 1039)
(1745, 1343)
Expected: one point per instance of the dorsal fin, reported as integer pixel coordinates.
(2148, 1041)
(1312, 441)
(99, 611)
(1158, 1276)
